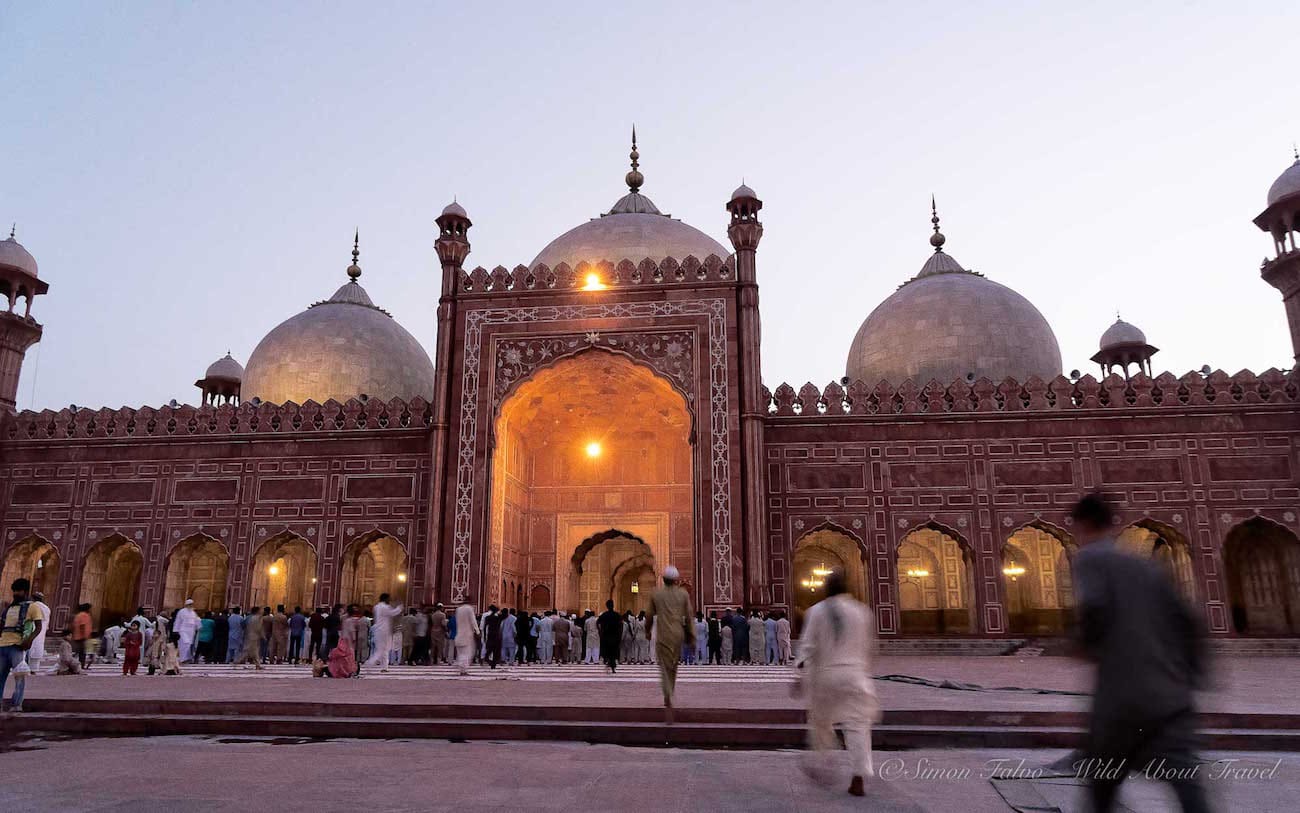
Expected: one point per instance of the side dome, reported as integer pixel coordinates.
(1287, 184)
(341, 348)
(1121, 333)
(225, 368)
(14, 255)
(633, 229)
(947, 323)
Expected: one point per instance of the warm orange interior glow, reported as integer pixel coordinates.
(593, 283)
(593, 449)
(273, 570)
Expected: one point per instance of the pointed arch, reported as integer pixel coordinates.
(374, 563)
(1165, 545)
(827, 546)
(284, 571)
(1037, 579)
(34, 558)
(110, 579)
(196, 568)
(1261, 558)
(934, 572)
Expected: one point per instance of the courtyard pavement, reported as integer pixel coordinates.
(202, 775)
(1240, 684)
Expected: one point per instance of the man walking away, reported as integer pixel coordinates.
(509, 631)
(739, 637)
(669, 620)
(467, 629)
(591, 636)
(438, 635)
(757, 638)
(560, 628)
(835, 654)
(715, 639)
(492, 632)
(297, 626)
(235, 637)
(1149, 654)
(279, 635)
(546, 638)
(385, 616)
(316, 636)
(610, 625)
(252, 641)
(769, 638)
(20, 623)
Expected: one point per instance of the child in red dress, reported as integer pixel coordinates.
(132, 641)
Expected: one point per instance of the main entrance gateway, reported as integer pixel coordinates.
(591, 485)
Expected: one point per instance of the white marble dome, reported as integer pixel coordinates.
(1287, 184)
(341, 348)
(14, 255)
(947, 323)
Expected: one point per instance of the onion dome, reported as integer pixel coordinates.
(455, 209)
(1287, 184)
(342, 348)
(949, 324)
(13, 255)
(633, 229)
(1121, 333)
(743, 191)
(225, 369)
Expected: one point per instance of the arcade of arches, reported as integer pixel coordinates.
(196, 570)
(1262, 561)
(591, 484)
(284, 572)
(817, 552)
(936, 586)
(33, 559)
(373, 565)
(110, 580)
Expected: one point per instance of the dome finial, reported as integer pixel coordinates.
(937, 239)
(634, 178)
(354, 270)
(1295, 150)
(13, 230)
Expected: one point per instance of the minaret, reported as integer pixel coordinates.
(1281, 220)
(452, 246)
(18, 330)
(745, 231)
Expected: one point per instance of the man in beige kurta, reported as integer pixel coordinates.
(669, 618)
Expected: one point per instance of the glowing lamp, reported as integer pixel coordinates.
(821, 572)
(401, 577)
(636, 587)
(1013, 571)
(593, 449)
(917, 572)
(593, 283)
(313, 579)
(273, 570)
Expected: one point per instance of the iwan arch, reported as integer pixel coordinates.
(598, 413)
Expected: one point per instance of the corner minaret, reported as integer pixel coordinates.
(452, 246)
(18, 330)
(1281, 220)
(745, 231)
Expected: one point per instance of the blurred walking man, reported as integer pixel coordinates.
(669, 621)
(467, 629)
(1149, 654)
(834, 666)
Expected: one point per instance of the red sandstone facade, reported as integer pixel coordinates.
(1209, 463)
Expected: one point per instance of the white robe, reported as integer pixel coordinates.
(37, 651)
(186, 626)
(383, 630)
(466, 628)
(835, 652)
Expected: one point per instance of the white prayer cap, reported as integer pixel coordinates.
(189, 601)
(671, 573)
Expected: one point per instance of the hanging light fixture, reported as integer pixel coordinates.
(1013, 570)
(822, 571)
(636, 587)
(917, 572)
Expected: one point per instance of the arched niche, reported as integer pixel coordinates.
(110, 580)
(1165, 546)
(1037, 581)
(196, 569)
(34, 559)
(373, 564)
(602, 560)
(823, 549)
(1262, 563)
(936, 586)
(284, 572)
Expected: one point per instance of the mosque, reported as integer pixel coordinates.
(597, 414)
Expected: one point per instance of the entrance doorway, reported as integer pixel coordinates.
(196, 570)
(1262, 560)
(110, 580)
(1037, 583)
(594, 444)
(374, 564)
(33, 559)
(284, 572)
(816, 554)
(935, 584)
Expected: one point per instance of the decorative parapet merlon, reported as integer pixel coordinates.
(196, 422)
(597, 276)
(1035, 395)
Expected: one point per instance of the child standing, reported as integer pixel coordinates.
(132, 642)
(171, 664)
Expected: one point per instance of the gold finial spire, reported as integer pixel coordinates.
(634, 178)
(354, 270)
(937, 239)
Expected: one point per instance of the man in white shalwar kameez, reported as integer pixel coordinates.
(385, 616)
(186, 625)
(37, 651)
(834, 665)
(467, 630)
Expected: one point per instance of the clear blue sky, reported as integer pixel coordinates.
(189, 174)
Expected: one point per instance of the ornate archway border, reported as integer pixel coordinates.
(720, 445)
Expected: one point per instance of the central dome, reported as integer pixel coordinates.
(633, 229)
(947, 323)
(341, 348)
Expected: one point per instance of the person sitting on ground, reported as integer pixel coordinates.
(69, 664)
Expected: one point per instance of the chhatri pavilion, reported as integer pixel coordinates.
(597, 413)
